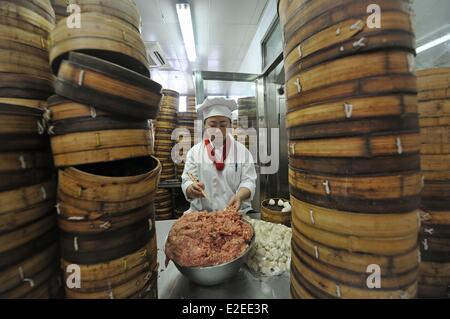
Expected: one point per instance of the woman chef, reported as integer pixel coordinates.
(224, 167)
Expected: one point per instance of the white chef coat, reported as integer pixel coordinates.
(220, 186)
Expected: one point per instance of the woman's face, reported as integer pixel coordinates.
(217, 124)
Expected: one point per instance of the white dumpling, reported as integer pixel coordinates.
(271, 202)
(280, 203)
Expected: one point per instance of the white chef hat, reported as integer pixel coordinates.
(217, 107)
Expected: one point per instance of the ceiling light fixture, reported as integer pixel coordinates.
(187, 30)
(433, 43)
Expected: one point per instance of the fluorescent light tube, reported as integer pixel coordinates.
(187, 30)
(433, 43)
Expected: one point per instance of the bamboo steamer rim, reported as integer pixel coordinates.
(171, 93)
(135, 58)
(114, 71)
(111, 87)
(38, 104)
(83, 176)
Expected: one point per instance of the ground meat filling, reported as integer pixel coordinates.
(202, 239)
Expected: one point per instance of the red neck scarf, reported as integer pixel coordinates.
(220, 165)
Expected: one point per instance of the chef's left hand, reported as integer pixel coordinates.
(235, 203)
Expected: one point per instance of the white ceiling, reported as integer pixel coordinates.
(223, 31)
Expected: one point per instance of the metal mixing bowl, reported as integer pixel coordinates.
(214, 275)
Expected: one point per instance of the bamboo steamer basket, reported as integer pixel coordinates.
(78, 221)
(357, 166)
(21, 120)
(124, 10)
(134, 287)
(99, 277)
(357, 262)
(11, 277)
(110, 187)
(361, 225)
(26, 250)
(371, 194)
(347, 70)
(390, 246)
(69, 117)
(113, 39)
(81, 135)
(21, 206)
(101, 272)
(106, 246)
(110, 87)
(36, 16)
(434, 280)
(273, 214)
(23, 169)
(101, 146)
(44, 285)
(332, 288)
(24, 87)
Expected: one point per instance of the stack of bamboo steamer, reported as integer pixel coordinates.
(24, 68)
(186, 120)
(29, 254)
(354, 175)
(103, 143)
(164, 126)
(247, 116)
(434, 110)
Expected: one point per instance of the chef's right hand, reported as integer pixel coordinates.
(195, 190)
